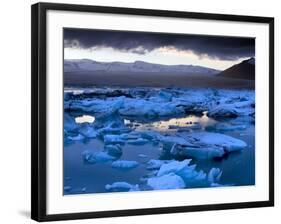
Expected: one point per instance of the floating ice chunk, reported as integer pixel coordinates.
(113, 150)
(130, 136)
(155, 164)
(139, 141)
(173, 167)
(113, 139)
(109, 119)
(162, 96)
(185, 128)
(148, 108)
(124, 164)
(85, 119)
(94, 105)
(227, 142)
(97, 157)
(192, 177)
(204, 152)
(121, 186)
(88, 131)
(69, 123)
(188, 173)
(224, 111)
(150, 135)
(175, 140)
(232, 110)
(165, 182)
(169, 141)
(214, 175)
(138, 107)
(78, 137)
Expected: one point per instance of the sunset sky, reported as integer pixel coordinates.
(170, 49)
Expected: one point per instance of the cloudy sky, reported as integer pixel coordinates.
(171, 49)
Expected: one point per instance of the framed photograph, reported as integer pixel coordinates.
(138, 111)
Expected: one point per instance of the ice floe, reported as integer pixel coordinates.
(214, 175)
(204, 152)
(173, 167)
(165, 182)
(166, 102)
(97, 157)
(216, 139)
(126, 118)
(113, 139)
(121, 186)
(138, 141)
(88, 131)
(76, 137)
(113, 150)
(182, 175)
(124, 164)
(156, 164)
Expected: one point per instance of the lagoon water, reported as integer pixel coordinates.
(238, 168)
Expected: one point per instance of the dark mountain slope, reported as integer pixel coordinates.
(243, 70)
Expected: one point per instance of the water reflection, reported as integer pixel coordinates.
(191, 121)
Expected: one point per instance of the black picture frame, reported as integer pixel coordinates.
(38, 108)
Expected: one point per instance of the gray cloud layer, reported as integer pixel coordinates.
(223, 48)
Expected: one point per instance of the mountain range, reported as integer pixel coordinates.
(87, 65)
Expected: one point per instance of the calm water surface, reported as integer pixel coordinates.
(238, 168)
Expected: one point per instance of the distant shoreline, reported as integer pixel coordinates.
(88, 79)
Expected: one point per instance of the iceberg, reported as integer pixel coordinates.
(228, 143)
(109, 119)
(155, 164)
(233, 109)
(149, 109)
(96, 157)
(78, 137)
(69, 123)
(165, 182)
(139, 141)
(121, 186)
(113, 150)
(186, 172)
(201, 153)
(214, 175)
(130, 136)
(113, 139)
(162, 96)
(173, 167)
(124, 164)
(169, 141)
(88, 131)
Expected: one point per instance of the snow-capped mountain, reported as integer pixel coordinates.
(86, 65)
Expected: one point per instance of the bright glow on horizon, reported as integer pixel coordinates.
(164, 55)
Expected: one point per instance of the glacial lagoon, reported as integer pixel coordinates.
(137, 139)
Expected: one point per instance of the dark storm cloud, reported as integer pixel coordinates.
(224, 48)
